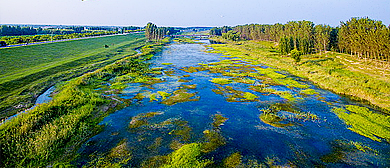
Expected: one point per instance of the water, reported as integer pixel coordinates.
(43, 98)
(305, 144)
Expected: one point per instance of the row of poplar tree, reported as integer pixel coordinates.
(361, 37)
(154, 33)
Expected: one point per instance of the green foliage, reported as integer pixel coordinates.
(309, 92)
(231, 35)
(187, 156)
(296, 55)
(365, 122)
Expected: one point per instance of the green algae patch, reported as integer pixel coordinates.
(361, 120)
(142, 119)
(164, 95)
(213, 139)
(187, 156)
(152, 81)
(183, 80)
(118, 156)
(244, 80)
(221, 81)
(153, 97)
(309, 92)
(286, 95)
(261, 88)
(192, 69)
(273, 120)
(186, 76)
(180, 96)
(166, 63)
(249, 96)
(233, 160)
(342, 151)
(183, 130)
(218, 120)
(189, 86)
(233, 95)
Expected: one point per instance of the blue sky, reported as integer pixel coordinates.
(188, 12)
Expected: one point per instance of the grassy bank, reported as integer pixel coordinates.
(28, 71)
(333, 71)
(52, 132)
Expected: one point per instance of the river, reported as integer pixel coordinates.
(305, 134)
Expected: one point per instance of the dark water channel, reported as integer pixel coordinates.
(325, 141)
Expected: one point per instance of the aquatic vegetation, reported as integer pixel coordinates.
(141, 119)
(152, 97)
(213, 140)
(187, 156)
(309, 92)
(273, 120)
(343, 150)
(262, 88)
(186, 75)
(152, 81)
(189, 86)
(182, 131)
(164, 95)
(233, 160)
(249, 96)
(244, 80)
(218, 120)
(365, 122)
(169, 72)
(180, 96)
(118, 156)
(286, 95)
(183, 80)
(221, 81)
(166, 63)
(192, 69)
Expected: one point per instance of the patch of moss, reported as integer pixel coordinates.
(233, 160)
(180, 96)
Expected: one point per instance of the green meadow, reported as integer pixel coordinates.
(27, 71)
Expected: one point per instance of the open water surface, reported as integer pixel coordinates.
(304, 143)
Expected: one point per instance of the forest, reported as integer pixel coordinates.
(363, 37)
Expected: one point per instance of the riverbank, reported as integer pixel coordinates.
(28, 71)
(340, 73)
(52, 132)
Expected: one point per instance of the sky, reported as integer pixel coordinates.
(187, 13)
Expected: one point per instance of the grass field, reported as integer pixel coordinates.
(25, 72)
(362, 80)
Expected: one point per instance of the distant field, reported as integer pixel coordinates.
(27, 71)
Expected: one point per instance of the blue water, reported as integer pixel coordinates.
(302, 145)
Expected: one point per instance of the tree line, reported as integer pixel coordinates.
(154, 33)
(361, 37)
(9, 40)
